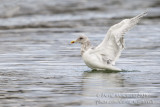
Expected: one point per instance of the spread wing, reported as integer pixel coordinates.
(112, 45)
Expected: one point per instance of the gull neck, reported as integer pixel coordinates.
(85, 46)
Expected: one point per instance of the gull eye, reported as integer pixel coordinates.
(80, 38)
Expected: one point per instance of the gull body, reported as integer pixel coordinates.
(108, 51)
(95, 61)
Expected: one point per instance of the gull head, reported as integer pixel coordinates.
(81, 39)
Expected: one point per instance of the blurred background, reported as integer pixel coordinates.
(71, 13)
(39, 67)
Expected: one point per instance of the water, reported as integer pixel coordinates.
(39, 67)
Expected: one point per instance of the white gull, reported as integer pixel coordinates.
(109, 50)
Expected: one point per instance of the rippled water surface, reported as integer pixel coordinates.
(40, 68)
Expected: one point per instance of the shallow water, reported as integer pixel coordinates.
(40, 68)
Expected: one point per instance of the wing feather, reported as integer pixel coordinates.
(114, 43)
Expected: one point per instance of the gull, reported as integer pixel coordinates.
(104, 56)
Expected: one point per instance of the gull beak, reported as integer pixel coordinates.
(72, 42)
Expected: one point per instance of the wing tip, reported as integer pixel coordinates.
(145, 12)
(138, 17)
